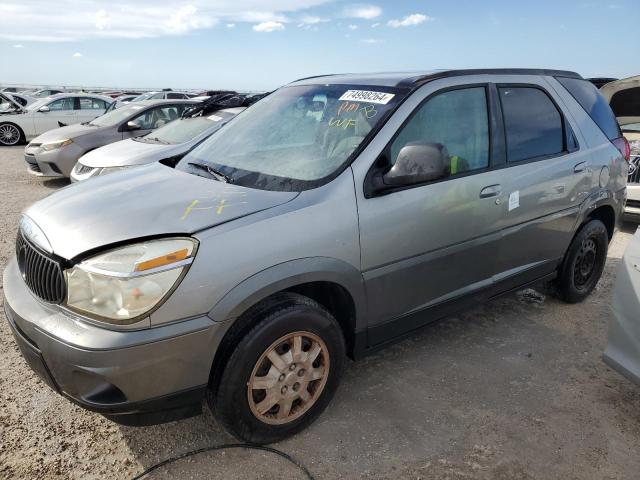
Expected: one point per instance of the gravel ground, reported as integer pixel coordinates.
(513, 390)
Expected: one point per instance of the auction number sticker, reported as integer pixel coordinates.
(367, 96)
(215, 118)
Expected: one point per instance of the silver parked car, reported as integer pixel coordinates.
(174, 139)
(25, 123)
(55, 153)
(623, 349)
(335, 215)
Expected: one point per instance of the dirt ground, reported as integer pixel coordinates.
(514, 390)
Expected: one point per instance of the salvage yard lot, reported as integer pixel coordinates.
(512, 390)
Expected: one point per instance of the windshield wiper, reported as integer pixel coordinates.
(157, 140)
(221, 177)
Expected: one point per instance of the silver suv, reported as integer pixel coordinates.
(330, 218)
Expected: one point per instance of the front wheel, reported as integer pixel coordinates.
(583, 263)
(282, 373)
(10, 134)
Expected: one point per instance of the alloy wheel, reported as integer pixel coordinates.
(288, 378)
(9, 134)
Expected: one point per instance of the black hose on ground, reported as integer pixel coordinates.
(247, 446)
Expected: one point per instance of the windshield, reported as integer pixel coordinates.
(114, 117)
(185, 129)
(6, 105)
(296, 137)
(632, 127)
(37, 104)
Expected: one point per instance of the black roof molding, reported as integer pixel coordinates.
(420, 80)
(416, 79)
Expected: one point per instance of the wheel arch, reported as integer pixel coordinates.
(334, 284)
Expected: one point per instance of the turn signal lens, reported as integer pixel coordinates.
(163, 260)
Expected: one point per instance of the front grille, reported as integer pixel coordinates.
(34, 167)
(634, 169)
(42, 274)
(82, 169)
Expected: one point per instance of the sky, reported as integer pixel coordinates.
(262, 44)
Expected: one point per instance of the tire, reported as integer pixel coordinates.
(10, 134)
(583, 263)
(238, 400)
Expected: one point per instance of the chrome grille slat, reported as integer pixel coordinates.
(42, 274)
(634, 170)
(82, 169)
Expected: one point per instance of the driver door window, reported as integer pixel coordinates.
(61, 112)
(456, 120)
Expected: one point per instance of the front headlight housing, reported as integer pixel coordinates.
(634, 146)
(108, 170)
(47, 147)
(124, 284)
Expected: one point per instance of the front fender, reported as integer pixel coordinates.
(289, 274)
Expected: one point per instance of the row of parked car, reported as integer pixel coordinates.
(65, 141)
(333, 216)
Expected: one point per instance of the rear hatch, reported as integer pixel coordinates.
(624, 98)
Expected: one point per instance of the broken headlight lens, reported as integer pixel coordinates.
(121, 285)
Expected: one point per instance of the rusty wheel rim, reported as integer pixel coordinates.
(288, 378)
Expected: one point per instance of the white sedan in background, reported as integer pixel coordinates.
(170, 141)
(25, 123)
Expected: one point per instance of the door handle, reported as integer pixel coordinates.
(491, 191)
(580, 167)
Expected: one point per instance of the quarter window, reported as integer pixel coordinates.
(590, 99)
(456, 120)
(533, 124)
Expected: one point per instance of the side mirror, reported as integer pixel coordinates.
(44, 109)
(131, 125)
(417, 163)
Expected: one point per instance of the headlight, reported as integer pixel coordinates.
(635, 147)
(107, 170)
(121, 285)
(47, 147)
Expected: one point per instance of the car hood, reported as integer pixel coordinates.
(17, 108)
(127, 152)
(62, 133)
(152, 200)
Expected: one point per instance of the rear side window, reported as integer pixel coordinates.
(176, 96)
(533, 124)
(592, 101)
(626, 103)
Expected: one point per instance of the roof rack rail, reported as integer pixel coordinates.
(420, 80)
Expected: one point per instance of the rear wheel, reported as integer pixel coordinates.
(10, 134)
(282, 373)
(583, 263)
